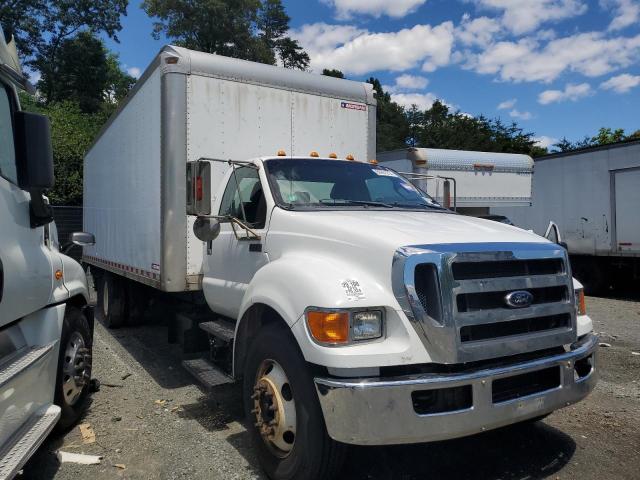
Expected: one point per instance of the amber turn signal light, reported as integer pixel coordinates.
(329, 327)
(582, 307)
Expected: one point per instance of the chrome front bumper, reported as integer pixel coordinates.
(380, 411)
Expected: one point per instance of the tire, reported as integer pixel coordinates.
(137, 302)
(73, 377)
(313, 455)
(112, 300)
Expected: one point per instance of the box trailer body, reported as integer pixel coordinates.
(188, 105)
(348, 304)
(593, 196)
(43, 293)
(482, 179)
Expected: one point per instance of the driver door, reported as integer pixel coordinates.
(232, 262)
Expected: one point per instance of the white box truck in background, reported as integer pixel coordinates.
(593, 196)
(349, 306)
(467, 181)
(46, 326)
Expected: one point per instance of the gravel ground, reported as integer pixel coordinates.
(151, 422)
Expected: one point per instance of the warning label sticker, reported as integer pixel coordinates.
(353, 106)
(352, 289)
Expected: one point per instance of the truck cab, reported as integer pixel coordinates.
(45, 322)
(349, 305)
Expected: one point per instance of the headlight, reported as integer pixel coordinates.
(581, 307)
(366, 325)
(341, 327)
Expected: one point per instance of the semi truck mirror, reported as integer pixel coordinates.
(206, 229)
(81, 239)
(34, 153)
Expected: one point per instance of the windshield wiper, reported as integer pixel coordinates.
(416, 205)
(369, 203)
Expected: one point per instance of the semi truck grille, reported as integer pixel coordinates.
(510, 388)
(504, 268)
(460, 299)
(473, 333)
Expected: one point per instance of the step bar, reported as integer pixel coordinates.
(26, 440)
(21, 361)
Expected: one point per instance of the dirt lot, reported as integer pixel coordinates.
(151, 422)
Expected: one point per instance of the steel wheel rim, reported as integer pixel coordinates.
(75, 370)
(274, 408)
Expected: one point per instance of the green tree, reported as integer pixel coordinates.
(86, 73)
(332, 73)
(392, 126)
(248, 29)
(607, 135)
(42, 26)
(72, 132)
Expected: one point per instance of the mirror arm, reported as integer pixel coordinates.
(40, 213)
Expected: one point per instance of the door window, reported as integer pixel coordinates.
(247, 195)
(7, 147)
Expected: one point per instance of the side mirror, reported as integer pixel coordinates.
(81, 239)
(206, 229)
(34, 151)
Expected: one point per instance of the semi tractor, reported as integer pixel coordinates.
(347, 304)
(45, 321)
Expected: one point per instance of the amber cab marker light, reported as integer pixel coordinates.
(171, 60)
(582, 306)
(314, 154)
(350, 157)
(333, 155)
(329, 327)
(373, 162)
(282, 153)
(58, 274)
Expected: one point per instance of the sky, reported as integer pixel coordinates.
(559, 68)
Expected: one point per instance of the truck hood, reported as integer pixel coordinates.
(391, 230)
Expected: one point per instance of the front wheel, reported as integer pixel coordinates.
(74, 368)
(283, 412)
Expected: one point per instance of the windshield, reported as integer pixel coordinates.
(322, 184)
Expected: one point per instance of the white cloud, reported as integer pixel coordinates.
(621, 83)
(345, 9)
(545, 142)
(520, 115)
(571, 92)
(590, 54)
(507, 104)
(358, 51)
(421, 100)
(625, 12)
(411, 81)
(524, 16)
(134, 72)
(479, 31)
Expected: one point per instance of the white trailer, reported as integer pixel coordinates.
(351, 307)
(480, 180)
(593, 196)
(190, 105)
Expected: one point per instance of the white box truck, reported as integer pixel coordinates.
(46, 325)
(593, 196)
(349, 306)
(469, 182)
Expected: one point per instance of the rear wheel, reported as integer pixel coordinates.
(74, 368)
(283, 412)
(111, 305)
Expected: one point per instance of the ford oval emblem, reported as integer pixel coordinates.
(518, 299)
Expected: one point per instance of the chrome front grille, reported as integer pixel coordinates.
(454, 295)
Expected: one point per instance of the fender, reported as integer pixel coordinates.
(75, 280)
(294, 282)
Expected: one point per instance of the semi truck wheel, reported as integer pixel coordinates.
(73, 377)
(283, 412)
(111, 307)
